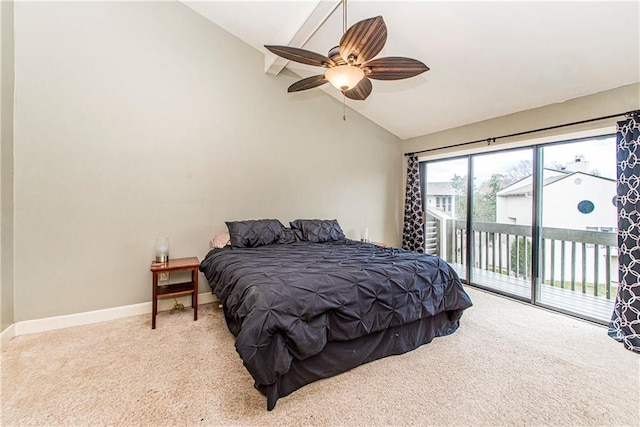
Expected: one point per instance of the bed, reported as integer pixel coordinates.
(305, 303)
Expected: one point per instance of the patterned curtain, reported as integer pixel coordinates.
(413, 230)
(625, 321)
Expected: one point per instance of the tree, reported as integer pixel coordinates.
(459, 184)
(485, 198)
(520, 170)
(555, 165)
(517, 255)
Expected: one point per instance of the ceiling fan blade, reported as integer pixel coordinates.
(361, 91)
(301, 55)
(308, 83)
(393, 68)
(363, 40)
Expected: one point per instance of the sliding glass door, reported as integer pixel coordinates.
(501, 221)
(542, 216)
(579, 268)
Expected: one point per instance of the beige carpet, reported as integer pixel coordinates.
(508, 364)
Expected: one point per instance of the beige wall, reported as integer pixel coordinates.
(601, 104)
(6, 164)
(138, 120)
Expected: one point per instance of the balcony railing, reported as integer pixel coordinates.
(578, 268)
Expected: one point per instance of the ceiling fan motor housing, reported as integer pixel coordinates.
(334, 55)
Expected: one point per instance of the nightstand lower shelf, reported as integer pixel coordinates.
(174, 290)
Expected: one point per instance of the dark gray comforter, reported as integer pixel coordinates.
(286, 301)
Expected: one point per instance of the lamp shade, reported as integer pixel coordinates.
(344, 77)
(364, 237)
(162, 249)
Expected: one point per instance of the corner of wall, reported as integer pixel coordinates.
(7, 98)
(7, 335)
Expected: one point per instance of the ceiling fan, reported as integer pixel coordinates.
(350, 65)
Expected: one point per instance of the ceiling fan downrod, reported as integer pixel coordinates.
(344, 16)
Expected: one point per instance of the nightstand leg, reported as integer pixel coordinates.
(154, 311)
(194, 298)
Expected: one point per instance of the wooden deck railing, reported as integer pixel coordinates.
(583, 261)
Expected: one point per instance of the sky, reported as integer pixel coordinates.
(600, 153)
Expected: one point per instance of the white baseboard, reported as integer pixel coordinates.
(6, 335)
(76, 319)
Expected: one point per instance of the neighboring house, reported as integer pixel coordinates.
(572, 199)
(440, 206)
(441, 196)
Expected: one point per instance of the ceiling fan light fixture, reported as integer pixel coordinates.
(344, 77)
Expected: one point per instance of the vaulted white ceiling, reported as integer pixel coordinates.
(487, 59)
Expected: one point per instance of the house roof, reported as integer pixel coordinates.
(440, 189)
(526, 188)
(519, 188)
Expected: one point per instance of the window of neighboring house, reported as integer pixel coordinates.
(602, 229)
(444, 203)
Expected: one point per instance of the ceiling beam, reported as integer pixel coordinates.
(274, 64)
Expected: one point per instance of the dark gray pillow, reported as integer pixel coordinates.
(254, 232)
(299, 235)
(297, 224)
(319, 230)
(287, 236)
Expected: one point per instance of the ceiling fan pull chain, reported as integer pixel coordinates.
(344, 108)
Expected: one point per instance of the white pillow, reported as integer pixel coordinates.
(220, 240)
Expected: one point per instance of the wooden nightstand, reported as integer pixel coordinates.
(177, 289)
(382, 244)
